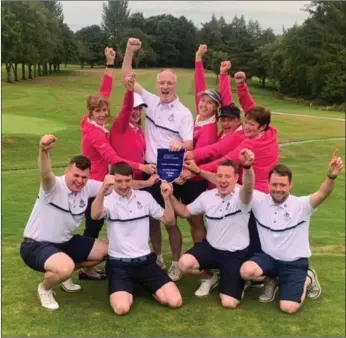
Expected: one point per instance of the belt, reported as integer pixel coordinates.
(131, 260)
(29, 240)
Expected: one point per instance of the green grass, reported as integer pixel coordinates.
(60, 101)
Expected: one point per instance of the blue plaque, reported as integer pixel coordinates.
(169, 164)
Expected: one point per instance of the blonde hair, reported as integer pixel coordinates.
(96, 101)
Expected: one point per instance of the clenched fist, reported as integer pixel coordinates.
(133, 44)
(129, 81)
(166, 189)
(225, 66)
(246, 158)
(108, 182)
(47, 142)
(202, 49)
(110, 55)
(239, 77)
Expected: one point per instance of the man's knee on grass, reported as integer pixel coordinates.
(229, 302)
(121, 302)
(169, 294)
(289, 307)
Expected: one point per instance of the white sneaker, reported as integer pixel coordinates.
(207, 286)
(69, 286)
(174, 273)
(160, 262)
(270, 289)
(314, 289)
(47, 299)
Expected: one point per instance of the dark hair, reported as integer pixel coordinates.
(281, 170)
(261, 115)
(81, 162)
(230, 110)
(230, 163)
(121, 168)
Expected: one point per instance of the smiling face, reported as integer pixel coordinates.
(252, 128)
(76, 178)
(100, 115)
(207, 107)
(166, 85)
(226, 179)
(136, 115)
(279, 187)
(122, 184)
(229, 124)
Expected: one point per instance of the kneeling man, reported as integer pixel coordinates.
(283, 222)
(49, 244)
(227, 211)
(127, 215)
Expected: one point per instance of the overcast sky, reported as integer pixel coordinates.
(275, 14)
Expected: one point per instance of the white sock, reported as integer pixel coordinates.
(175, 263)
(159, 257)
(42, 288)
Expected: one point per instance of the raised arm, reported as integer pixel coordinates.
(102, 146)
(97, 206)
(200, 84)
(121, 122)
(132, 46)
(334, 169)
(245, 99)
(225, 83)
(246, 158)
(166, 192)
(232, 155)
(217, 149)
(107, 80)
(47, 176)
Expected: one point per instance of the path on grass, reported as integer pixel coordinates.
(286, 144)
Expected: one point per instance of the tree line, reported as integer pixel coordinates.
(306, 61)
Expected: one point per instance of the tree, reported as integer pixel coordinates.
(115, 19)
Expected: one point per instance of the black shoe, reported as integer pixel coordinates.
(83, 276)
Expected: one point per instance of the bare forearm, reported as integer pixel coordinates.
(211, 177)
(109, 72)
(188, 145)
(47, 176)
(169, 215)
(127, 63)
(140, 184)
(179, 208)
(246, 190)
(97, 206)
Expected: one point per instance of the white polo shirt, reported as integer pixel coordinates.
(227, 219)
(59, 212)
(128, 223)
(165, 122)
(283, 228)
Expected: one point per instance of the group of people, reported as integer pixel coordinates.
(246, 227)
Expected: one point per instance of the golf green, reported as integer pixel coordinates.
(17, 124)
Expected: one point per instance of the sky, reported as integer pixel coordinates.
(275, 14)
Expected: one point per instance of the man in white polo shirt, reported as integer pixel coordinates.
(130, 261)
(283, 222)
(169, 124)
(49, 244)
(227, 211)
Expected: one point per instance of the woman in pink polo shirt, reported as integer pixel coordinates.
(96, 146)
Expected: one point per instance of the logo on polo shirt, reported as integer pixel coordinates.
(81, 204)
(139, 205)
(171, 118)
(228, 205)
(287, 216)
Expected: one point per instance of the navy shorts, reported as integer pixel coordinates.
(229, 263)
(35, 254)
(122, 275)
(291, 275)
(155, 191)
(191, 190)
